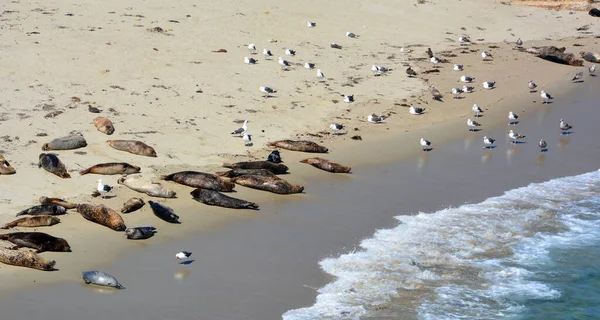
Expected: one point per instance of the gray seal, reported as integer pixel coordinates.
(72, 141)
(140, 233)
(163, 212)
(101, 279)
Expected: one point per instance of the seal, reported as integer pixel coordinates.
(133, 146)
(102, 215)
(590, 56)
(242, 172)
(275, 157)
(276, 168)
(32, 222)
(57, 201)
(26, 259)
(200, 180)
(104, 125)
(275, 185)
(139, 184)
(43, 209)
(112, 168)
(51, 163)
(140, 233)
(132, 204)
(299, 145)
(36, 240)
(5, 167)
(70, 142)
(165, 213)
(215, 198)
(101, 279)
(326, 165)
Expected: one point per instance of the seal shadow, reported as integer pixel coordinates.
(99, 289)
(187, 262)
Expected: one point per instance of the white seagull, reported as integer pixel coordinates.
(472, 124)
(468, 89)
(485, 55)
(425, 144)
(592, 69)
(309, 65)
(290, 52)
(320, 74)
(249, 60)
(373, 118)
(477, 110)
(348, 98)
(336, 127)
(458, 67)
(266, 90)
(563, 126)
(456, 92)
(102, 188)
(531, 86)
(466, 79)
(513, 118)
(488, 142)
(464, 40)
(242, 129)
(311, 24)
(267, 53)
(182, 255)
(247, 138)
(542, 144)
(546, 96)
(435, 61)
(252, 48)
(416, 110)
(284, 64)
(578, 76)
(489, 84)
(379, 69)
(515, 136)
(351, 35)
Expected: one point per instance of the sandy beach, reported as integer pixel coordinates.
(169, 89)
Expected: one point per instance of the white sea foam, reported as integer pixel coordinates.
(474, 261)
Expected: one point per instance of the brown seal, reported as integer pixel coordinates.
(5, 167)
(276, 168)
(200, 180)
(243, 172)
(72, 141)
(51, 163)
(112, 168)
(104, 125)
(26, 259)
(139, 184)
(32, 222)
(43, 209)
(57, 201)
(36, 240)
(133, 146)
(326, 165)
(132, 204)
(298, 145)
(275, 185)
(215, 198)
(102, 215)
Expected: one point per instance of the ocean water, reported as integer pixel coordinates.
(532, 253)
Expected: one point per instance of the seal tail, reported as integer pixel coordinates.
(86, 171)
(167, 177)
(304, 161)
(66, 176)
(222, 173)
(9, 225)
(228, 165)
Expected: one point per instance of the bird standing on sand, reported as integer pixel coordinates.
(373, 118)
(513, 118)
(515, 136)
(350, 34)
(247, 139)
(266, 90)
(379, 69)
(546, 96)
(283, 63)
(435, 61)
(183, 255)
(592, 69)
(290, 52)
(348, 98)
(531, 86)
(309, 65)
(456, 92)
(249, 60)
(102, 188)
(274, 157)
(489, 84)
(267, 53)
(458, 67)
(320, 74)
(565, 127)
(485, 55)
(435, 93)
(416, 110)
(468, 89)
(252, 48)
(311, 24)
(488, 142)
(464, 40)
(410, 72)
(578, 76)
(472, 124)
(542, 144)
(336, 128)
(425, 144)
(477, 110)
(242, 129)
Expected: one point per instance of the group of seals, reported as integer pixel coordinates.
(133, 146)
(36, 240)
(104, 125)
(102, 215)
(72, 141)
(139, 184)
(112, 168)
(200, 180)
(51, 163)
(5, 167)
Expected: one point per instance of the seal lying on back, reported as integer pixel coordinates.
(133, 146)
(200, 180)
(242, 172)
(26, 259)
(299, 145)
(153, 189)
(36, 240)
(102, 215)
(112, 168)
(104, 125)
(215, 198)
(132, 204)
(275, 185)
(140, 233)
(165, 213)
(44, 209)
(57, 201)
(326, 165)
(52, 164)
(5, 167)
(101, 279)
(276, 168)
(72, 141)
(32, 222)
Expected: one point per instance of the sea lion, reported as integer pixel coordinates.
(200, 180)
(52, 164)
(140, 233)
(590, 56)
(57, 201)
(5, 167)
(299, 145)
(132, 204)
(26, 259)
(133, 146)
(44, 209)
(153, 189)
(274, 157)
(326, 165)
(215, 198)
(112, 168)
(275, 185)
(102, 215)
(36, 240)
(165, 213)
(72, 141)
(242, 172)
(276, 168)
(32, 222)
(104, 125)
(101, 279)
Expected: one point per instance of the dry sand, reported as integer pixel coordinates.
(171, 91)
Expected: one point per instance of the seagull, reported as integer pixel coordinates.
(489, 84)
(546, 96)
(592, 69)
(435, 61)
(429, 53)
(468, 89)
(336, 127)
(488, 142)
(373, 118)
(485, 55)
(416, 110)
(531, 86)
(309, 65)
(435, 93)
(456, 92)
(102, 188)
(405, 50)
(249, 60)
(247, 138)
(472, 124)
(578, 76)
(425, 144)
(290, 52)
(379, 69)
(311, 24)
(519, 42)
(515, 136)
(183, 255)
(266, 90)
(463, 40)
(320, 74)
(242, 129)
(565, 126)
(542, 144)
(351, 35)
(267, 53)
(284, 64)
(274, 157)
(410, 72)
(513, 118)
(252, 48)
(477, 110)
(348, 98)
(458, 67)
(466, 79)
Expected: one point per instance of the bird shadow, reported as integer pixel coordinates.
(187, 262)
(544, 150)
(427, 149)
(533, 91)
(438, 99)
(489, 147)
(339, 133)
(478, 116)
(458, 98)
(513, 123)
(108, 197)
(578, 81)
(592, 75)
(474, 130)
(566, 133)
(518, 142)
(547, 102)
